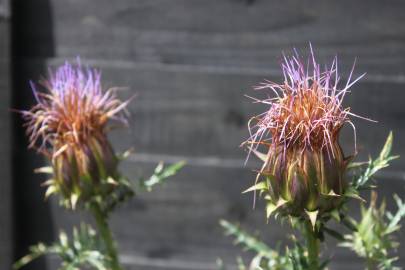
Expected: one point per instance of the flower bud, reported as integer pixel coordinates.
(305, 180)
(86, 170)
(303, 174)
(69, 125)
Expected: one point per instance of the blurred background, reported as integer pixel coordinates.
(191, 62)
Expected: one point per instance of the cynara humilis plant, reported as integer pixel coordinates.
(69, 125)
(306, 178)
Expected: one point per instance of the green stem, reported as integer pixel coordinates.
(312, 246)
(371, 264)
(105, 232)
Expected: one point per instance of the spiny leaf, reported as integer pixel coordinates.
(372, 237)
(394, 221)
(385, 153)
(161, 174)
(245, 239)
(81, 252)
(375, 165)
(35, 252)
(353, 165)
(352, 192)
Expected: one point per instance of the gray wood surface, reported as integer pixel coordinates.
(212, 30)
(5, 153)
(191, 62)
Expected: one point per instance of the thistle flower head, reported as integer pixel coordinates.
(72, 108)
(69, 125)
(305, 111)
(304, 166)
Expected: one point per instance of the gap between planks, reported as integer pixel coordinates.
(232, 163)
(123, 64)
(165, 264)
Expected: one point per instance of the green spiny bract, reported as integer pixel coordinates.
(304, 182)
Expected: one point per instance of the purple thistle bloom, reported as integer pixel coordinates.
(305, 110)
(72, 108)
(69, 124)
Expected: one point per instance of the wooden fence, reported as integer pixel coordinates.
(191, 62)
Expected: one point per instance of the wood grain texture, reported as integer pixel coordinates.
(4, 10)
(232, 34)
(191, 62)
(228, 32)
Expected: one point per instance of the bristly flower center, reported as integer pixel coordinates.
(72, 109)
(305, 111)
(305, 119)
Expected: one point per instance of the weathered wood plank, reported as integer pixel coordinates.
(4, 10)
(251, 36)
(183, 32)
(134, 262)
(5, 153)
(229, 15)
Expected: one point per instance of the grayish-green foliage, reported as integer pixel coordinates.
(373, 237)
(373, 166)
(160, 175)
(267, 258)
(85, 250)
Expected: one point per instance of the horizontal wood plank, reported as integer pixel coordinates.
(4, 10)
(5, 151)
(234, 34)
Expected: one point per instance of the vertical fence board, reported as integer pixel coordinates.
(5, 174)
